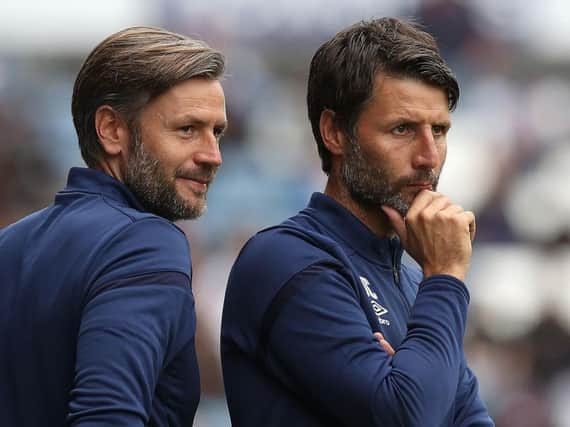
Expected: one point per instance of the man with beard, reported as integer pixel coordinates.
(97, 315)
(323, 325)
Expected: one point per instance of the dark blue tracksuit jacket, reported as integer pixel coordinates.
(97, 316)
(302, 303)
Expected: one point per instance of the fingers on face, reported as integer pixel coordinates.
(429, 206)
(422, 199)
(438, 204)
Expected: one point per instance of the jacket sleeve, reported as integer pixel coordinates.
(320, 346)
(137, 322)
(470, 409)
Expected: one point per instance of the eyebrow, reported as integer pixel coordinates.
(406, 119)
(222, 125)
(200, 122)
(445, 123)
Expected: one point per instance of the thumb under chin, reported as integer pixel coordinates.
(395, 219)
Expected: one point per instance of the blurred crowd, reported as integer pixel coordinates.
(509, 161)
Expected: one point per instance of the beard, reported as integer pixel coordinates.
(155, 190)
(372, 185)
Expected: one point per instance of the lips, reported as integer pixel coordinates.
(206, 180)
(199, 180)
(421, 185)
(199, 185)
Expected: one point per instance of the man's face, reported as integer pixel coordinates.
(400, 144)
(174, 153)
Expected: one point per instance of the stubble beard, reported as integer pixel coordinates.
(156, 191)
(371, 186)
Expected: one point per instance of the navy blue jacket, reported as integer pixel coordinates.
(97, 317)
(302, 303)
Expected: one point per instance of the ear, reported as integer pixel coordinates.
(333, 137)
(112, 130)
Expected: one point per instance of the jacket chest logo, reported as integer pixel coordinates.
(379, 310)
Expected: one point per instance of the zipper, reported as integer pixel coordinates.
(396, 274)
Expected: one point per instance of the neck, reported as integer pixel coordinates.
(111, 168)
(372, 216)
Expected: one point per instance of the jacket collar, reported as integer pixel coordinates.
(86, 180)
(342, 223)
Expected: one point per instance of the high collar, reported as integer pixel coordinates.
(87, 180)
(352, 231)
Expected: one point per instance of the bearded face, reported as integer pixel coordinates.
(376, 184)
(155, 189)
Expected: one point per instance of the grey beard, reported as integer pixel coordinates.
(370, 185)
(153, 189)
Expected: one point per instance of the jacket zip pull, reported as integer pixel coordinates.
(396, 275)
(395, 271)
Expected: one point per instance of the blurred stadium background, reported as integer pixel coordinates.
(509, 157)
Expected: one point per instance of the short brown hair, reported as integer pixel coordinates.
(343, 70)
(130, 68)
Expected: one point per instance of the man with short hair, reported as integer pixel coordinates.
(97, 317)
(316, 306)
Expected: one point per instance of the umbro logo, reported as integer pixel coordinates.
(379, 310)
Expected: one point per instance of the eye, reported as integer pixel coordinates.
(439, 130)
(219, 132)
(186, 130)
(402, 130)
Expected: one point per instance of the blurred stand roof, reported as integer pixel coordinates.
(72, 27)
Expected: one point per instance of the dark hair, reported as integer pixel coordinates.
(343, 70)
(130, 68)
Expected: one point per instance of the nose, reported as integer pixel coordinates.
(427, 153)
(209, 152)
